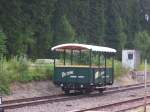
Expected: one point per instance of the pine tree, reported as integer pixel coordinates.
(2, 44)
(96, 22)
(142, 43)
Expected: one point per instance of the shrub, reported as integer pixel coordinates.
(20, 69)
(4, 78)
(119, 70)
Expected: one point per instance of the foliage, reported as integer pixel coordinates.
(141, 67)
(65, 32)
(119, 70)
(22, 70)
(33, 27)
(142, 42)
(2, 44)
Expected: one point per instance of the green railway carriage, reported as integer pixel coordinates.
(87, 77)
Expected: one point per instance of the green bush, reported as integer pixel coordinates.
(142, 67)
(19, 69)
(4, 79)
(119, 70)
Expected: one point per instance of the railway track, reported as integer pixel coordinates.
(120, 106)
(12, 104)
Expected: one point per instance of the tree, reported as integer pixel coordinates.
(2, 44)
(96, 30)
(32, 27)
(113, 25)
(121, 36)
(133, 20)
(142, 43)
(27, 25)
(64, 32)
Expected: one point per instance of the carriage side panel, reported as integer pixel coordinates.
(73, 77)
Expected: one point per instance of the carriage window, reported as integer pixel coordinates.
(130, 56)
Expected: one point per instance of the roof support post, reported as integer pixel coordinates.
(71, 57)
(113, 59)
(90, 58)
(80, 56)
(64, 56)
(99, 60)
(54, 59)
(105, 66)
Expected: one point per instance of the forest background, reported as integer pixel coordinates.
(32, 27)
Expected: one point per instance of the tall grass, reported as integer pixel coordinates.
(141, 67)
(119, 70)
(19, 69)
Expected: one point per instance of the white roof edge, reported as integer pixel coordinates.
(85, 46)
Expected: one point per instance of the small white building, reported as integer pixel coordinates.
(131, 58)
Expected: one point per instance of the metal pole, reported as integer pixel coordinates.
(113, 68)
(90, 58)
(0, 100)
(54, 60)
(1, 108)
(71, 57)
(105, 66)
(99, 60)
(64, 57)
(80, 57)
(145, 86)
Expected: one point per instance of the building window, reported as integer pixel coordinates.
(130, 56)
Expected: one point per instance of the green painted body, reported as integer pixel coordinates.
(74, 77)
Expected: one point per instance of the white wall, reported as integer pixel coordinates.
(127, 62)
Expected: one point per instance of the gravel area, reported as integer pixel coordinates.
(82, 103)
(41, 88)
(124, 106)
(141, 109)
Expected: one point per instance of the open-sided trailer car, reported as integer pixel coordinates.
(80, 77)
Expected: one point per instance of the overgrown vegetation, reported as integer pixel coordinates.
(142, 67)
(34, 26)
(19, 69)
(119, 70)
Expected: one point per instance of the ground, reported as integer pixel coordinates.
(32, 89)
(43, 88)
(141, 109)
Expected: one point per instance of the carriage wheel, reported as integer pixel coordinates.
(67, 92)
(85, 91)
(101, 90)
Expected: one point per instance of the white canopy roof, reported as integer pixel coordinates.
(76, 46)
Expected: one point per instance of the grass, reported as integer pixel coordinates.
(119, 70)
(19, 69)
(142, 67)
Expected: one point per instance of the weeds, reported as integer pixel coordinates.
(119, 70)
(19, 69)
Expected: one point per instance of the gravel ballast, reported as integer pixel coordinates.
(82, 103)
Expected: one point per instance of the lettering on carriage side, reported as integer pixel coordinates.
(81, 76)
(64, 74)
(98, 74)
(73, 76)
(102, 72)
(107, 76)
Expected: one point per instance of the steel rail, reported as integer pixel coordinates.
(11, 104)
(106, 106)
